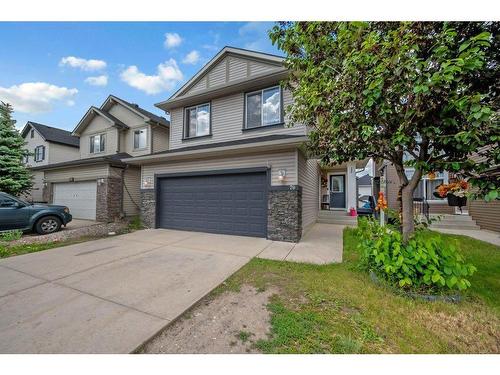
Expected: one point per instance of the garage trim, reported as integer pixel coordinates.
(159, 176)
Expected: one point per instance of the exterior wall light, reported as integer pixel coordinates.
(147, 182)
(100, 181)
(282, 174)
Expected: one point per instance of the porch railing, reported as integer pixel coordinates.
(421, 208)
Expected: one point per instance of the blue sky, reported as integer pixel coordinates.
(52, 72)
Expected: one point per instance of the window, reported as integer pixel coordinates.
(39, 153)
(32, 133)
(197, 121)
(140, 139)
(7, 202)
(97, 143)
(426, 186)
(263, 108)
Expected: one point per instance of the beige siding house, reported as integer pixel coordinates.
(46, 145)
(235, 164)
(97, 184)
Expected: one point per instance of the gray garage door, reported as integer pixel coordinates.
(228, 203)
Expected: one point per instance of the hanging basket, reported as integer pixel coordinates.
(436, 194)
(453, 200)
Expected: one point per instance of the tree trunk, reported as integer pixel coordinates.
(407, 223)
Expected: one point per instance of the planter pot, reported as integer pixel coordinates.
(453, 200)
(436, 194)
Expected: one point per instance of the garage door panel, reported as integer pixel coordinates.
(227, 203)
(80, 197)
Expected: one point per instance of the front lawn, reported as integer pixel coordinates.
(337, 308)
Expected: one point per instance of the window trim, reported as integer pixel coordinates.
(424, 178)
(35, 157)
(279, 123)
(185, 121)
(133, 139)
(91, 143)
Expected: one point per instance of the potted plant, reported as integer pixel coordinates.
(455, 192)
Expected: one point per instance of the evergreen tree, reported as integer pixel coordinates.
(15, 178)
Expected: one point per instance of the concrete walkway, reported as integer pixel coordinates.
(481, 234)
(322, 244)
(113, 294)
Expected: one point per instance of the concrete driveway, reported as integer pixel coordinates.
(112, 295)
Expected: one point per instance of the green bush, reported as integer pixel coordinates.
(11, 235)
(425, 263)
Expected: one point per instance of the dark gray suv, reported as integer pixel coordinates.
(41, 218)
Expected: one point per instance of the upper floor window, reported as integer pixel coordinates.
(197, 121)
(140, 139)
(97, 143)
(32, 133)
(263, 108)
(39, 153)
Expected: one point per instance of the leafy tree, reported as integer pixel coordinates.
(15, 178)
(417, 94)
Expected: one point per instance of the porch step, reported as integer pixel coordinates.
(463, 222)
(337, 217)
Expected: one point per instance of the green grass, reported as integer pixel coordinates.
(8, 251)
(338, 309)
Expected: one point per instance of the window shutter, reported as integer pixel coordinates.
(102, 139)
(43, 152)
(92, 144)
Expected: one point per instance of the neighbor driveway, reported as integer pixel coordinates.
(112, 295)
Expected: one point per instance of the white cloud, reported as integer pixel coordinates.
(168, 74)
(255, 36)
(192, 57)
(83, 64)
(172, 40)
(98, 80)
(36, 97)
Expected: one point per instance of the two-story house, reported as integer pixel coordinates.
(97, 184)
(46, 145)
(235, 165)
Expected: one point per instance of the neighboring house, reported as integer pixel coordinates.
(46, 145)
(98, 185)
(235, 165)
(364, 185)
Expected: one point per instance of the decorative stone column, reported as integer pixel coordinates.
(148, 208)
(109, 199)
(284, 217)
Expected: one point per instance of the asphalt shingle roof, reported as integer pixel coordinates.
(51, 134)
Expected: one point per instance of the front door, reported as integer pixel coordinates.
(337, 191)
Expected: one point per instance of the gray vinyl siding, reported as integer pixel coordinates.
(486, 214)
(131, 191)
(78, 173)
(227, 116)
(59, 153)
(276, 161)
(231, 68)
(36, 192)
(31, 144)
(99, 125)
(134, 122)
(309, 180)
(160, 139)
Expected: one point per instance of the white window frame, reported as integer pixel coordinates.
(36, 157)
(92, 145)
(187, 119)
(145, 142)
(428, 195)
(280, 120)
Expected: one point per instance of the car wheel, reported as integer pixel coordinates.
(48, 224)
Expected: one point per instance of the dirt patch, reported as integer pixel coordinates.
(95, 230)
(230, 322)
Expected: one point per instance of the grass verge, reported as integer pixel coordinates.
(338, 309)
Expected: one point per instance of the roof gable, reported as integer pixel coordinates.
(89, 116)
(133, 107)
(230, 64)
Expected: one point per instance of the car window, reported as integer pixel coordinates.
(7, 202)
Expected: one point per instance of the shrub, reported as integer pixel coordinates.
(424, 263)
(11, 235)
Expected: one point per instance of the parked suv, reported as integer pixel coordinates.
(41, 218)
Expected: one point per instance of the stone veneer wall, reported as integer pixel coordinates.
(109, 199)
(284, 217)
(148, 208)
